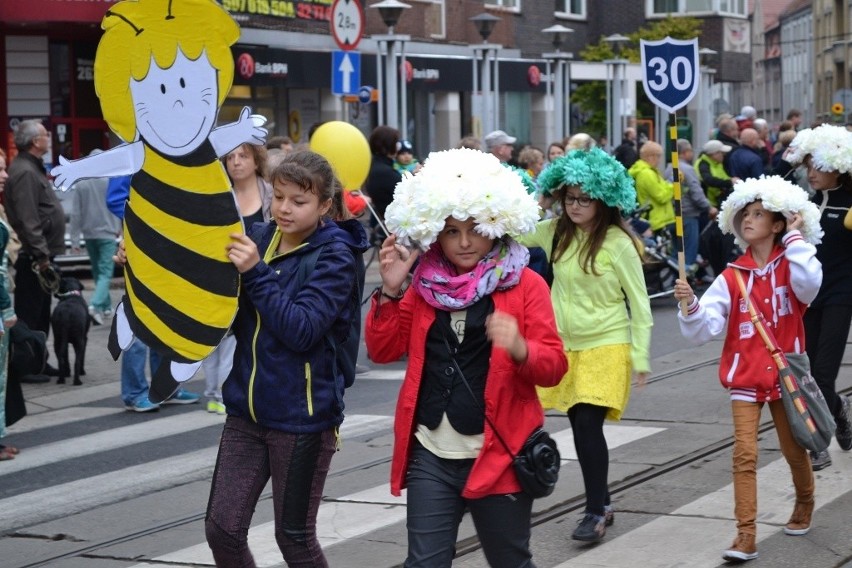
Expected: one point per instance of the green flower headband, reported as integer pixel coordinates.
(598, 174)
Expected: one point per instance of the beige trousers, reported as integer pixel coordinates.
(746, 421)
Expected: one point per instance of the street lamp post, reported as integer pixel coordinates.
(490, 107)
(390, 11)
(704, 103)
(561, 68)
(616, 119)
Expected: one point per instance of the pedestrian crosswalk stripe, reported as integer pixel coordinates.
(111, 439)
(383, 375)
(61, 417)
(616, 435)
(83, 494)
(697, 533)
(74, 396)
(80, 495)
(360, 513)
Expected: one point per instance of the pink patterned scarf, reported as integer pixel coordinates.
(436, 280)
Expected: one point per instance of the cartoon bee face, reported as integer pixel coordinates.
(176, 107)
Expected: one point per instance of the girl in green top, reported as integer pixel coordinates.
(595, 265)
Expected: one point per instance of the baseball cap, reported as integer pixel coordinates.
(714, 146)
(405, 146)
(498, 137)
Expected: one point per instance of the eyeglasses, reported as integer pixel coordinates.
(582, 200)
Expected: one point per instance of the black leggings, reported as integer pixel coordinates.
(826, 331)
(587, 422)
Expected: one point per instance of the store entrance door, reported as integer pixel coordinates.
(75, 138)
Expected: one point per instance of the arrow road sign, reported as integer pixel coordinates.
(345, 72)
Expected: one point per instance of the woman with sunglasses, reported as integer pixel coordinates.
(595, 264)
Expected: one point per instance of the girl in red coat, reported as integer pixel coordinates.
(471, 299)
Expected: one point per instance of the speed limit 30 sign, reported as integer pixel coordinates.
(347, 23)
(670, 71)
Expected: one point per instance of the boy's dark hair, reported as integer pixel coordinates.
(383, 140)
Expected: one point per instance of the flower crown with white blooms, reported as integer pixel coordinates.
(776, 194)
(829, 146)
(460, 183)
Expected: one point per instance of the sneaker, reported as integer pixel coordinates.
(182, 397)
(592, 528)
(97, 316)
(107, 313)
(214, 406)
(820, 460)
(742, 550)
(800, 520)
(843, 433)
(609, 515)
(142, 405)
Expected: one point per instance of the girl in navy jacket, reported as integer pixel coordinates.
(284, 396)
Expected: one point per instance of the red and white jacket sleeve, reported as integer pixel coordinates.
(805, 269)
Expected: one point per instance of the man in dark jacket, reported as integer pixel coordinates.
(627, 153)
(729, 135)
(36, 214)
(745, 161)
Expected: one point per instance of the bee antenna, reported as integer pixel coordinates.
(169, 16)
(129, 23)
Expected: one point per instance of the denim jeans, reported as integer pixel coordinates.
(298, 464)
(435, 509)
(134, 385)
(101, 252)
(690, 239)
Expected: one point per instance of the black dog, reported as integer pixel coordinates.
(70, 322)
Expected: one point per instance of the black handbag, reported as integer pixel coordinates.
(537, 464)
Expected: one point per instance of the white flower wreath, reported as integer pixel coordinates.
(829, 146)
(460, 183)
(776, 194)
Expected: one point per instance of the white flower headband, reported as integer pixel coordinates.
(777, 194)
(829, 146)
(460, 183)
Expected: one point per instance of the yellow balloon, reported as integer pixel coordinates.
(346, 149)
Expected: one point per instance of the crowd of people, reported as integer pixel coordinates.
(492, 337)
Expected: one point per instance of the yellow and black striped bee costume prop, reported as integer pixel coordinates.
(175, 238)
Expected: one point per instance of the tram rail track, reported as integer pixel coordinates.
(464, 547)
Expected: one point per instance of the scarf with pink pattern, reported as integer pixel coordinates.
(436, 280)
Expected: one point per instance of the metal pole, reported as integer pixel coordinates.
(487, 125)
(403, 89)
(380, 111)
(474, 93)
(551, 127)
(392, 99)
(568, 99)
(616, 100)
(496, 90)
(559, 98)
(609, 127)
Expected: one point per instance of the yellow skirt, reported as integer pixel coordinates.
(599, 376)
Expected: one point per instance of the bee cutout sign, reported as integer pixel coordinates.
(163, 68)
(670, 71)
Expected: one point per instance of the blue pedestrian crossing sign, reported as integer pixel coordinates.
(345, 72)
(670, 71)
